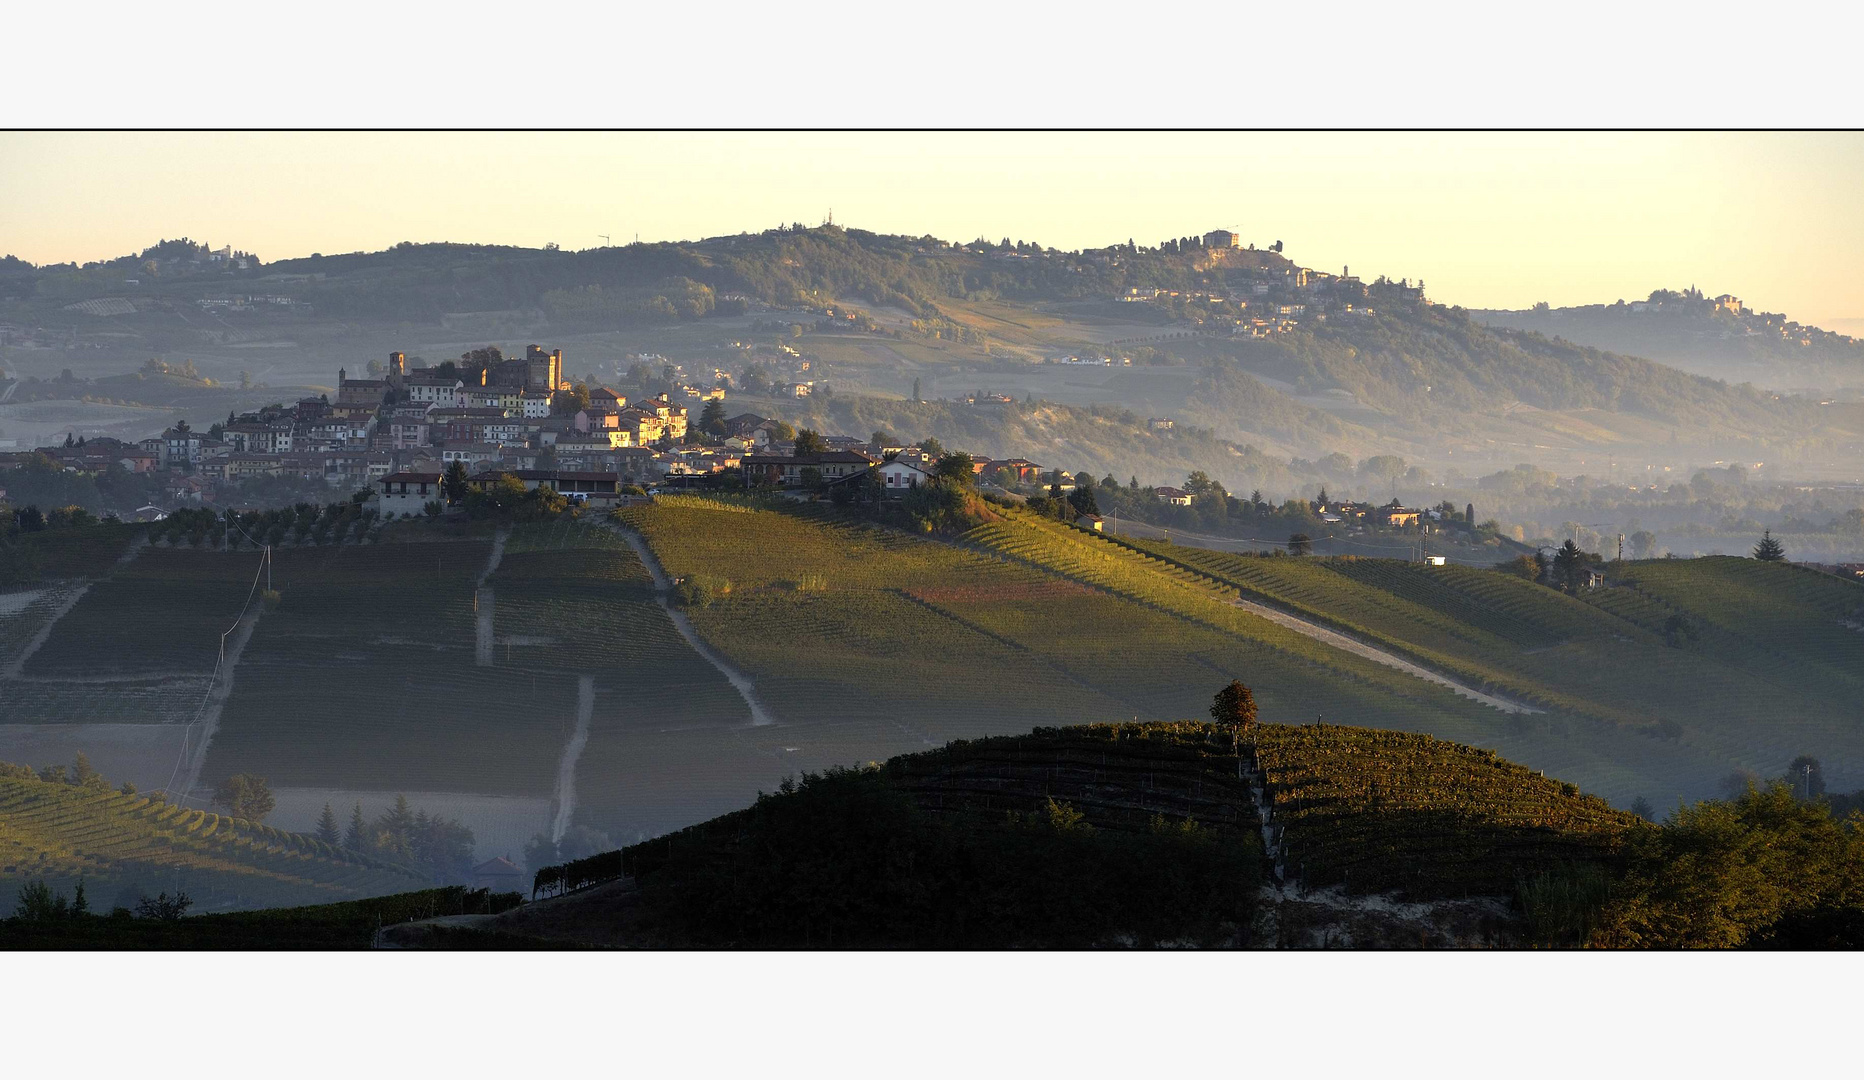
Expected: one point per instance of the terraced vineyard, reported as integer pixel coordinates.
(822, 616)
(1117, 776)
(665, 740)
(60, 832)
(1052, 615)
(27, 609)
(1383, 810)
(1182, 612)
(1781, 622)
(861, 638)
(364, 677)
(163, 612)
(1602, 657)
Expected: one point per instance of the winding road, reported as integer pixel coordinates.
(663, 586)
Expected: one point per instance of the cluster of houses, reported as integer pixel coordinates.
(498, 416)
(1394, 515)
(1277, 301)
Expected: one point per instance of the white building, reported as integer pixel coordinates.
(898, 475)
(409, 493)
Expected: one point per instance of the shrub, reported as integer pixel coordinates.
(700, 590)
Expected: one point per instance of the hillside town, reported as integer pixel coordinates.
(489, 413)
(394, 435)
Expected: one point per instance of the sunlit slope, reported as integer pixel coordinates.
(1601, 665)
(1604, 655)
(61, 832)
(822, 617)
(867, 642)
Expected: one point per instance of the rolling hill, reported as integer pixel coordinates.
(1697, 335)
(1374, 368)
(549, 678)
(1610, 703)
(1102, 835)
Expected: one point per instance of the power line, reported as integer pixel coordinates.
(187, 734)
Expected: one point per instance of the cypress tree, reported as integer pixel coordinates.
(327, 827)
(1769, 549)
(358, 830)
(401, 818)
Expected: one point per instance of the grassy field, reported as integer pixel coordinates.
(61, 832)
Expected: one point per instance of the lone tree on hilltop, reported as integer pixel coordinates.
(1769, 549)
(1300, 544)
(1234, 707)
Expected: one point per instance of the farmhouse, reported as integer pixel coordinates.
(898, 476)
(788, 471)
(409, 492)
(1022, 469)
(1174, 496)
(592, 487)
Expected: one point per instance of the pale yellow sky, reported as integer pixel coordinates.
(1487, 220)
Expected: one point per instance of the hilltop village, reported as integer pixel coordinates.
(398, 434)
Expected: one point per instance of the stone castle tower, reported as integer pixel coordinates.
(542, 370)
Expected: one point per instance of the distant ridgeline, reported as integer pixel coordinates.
(1247, 309)
(1693, 330)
